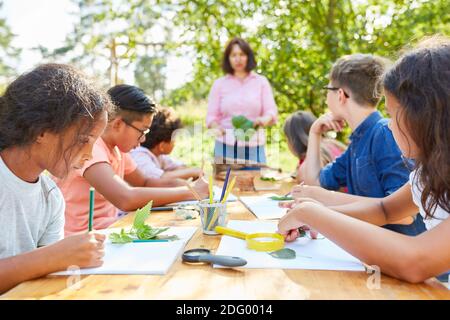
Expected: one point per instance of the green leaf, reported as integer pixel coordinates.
(241, 122)
(121, 237)
(243, 128)
(140, 230)
(268, 179)
(302, 232)
(141, 215)
(285, 253)
(170, 238)
(281, 198)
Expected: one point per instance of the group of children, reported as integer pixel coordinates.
(396, 171)
(55, 119)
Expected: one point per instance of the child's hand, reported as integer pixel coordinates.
(262, 121)
(289, 224)
(291, 204)
(326, 123)
(304, 191)
(85, 250)
(195, 172)
(202, 188)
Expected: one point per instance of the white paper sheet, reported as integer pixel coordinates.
(310, 254)
(139, 258)
(263, 207)
(217, 193)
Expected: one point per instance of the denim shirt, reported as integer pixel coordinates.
(372, 166)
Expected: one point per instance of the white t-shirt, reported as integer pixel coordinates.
(151, 165)
(31, 214)
(439, 214)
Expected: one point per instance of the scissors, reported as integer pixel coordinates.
(204, 255)
(261, 241)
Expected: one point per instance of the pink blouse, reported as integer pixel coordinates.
(251, 97)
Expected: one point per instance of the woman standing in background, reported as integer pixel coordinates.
(241, 92)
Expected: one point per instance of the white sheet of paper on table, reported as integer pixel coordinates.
(217, 193)
(319, 254)
(139, 258)
(263, 207)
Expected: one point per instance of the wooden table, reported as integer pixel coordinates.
(204, 282)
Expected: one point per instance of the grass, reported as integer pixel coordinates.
(193, 143)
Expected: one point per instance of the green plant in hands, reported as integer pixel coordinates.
(140, 230)
(243, 128)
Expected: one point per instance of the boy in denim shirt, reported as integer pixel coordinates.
(372, 166)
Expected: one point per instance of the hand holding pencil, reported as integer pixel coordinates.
(201, 187)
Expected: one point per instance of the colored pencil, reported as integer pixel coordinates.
(211, 195)
(162, 209)
(91, 208)
(225, 184)
(151, 240)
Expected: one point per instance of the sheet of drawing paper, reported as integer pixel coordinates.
(139, 258)
(263, 207)
(319, 254)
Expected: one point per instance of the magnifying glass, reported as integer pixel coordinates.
(256, 241)
(204, 255)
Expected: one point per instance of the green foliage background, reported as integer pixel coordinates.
(295, 41)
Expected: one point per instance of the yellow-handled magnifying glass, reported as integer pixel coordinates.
(261, 241)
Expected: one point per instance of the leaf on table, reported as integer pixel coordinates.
(285, 253)
(170, 238)
(140, 230)
(268, 179)
(281, 198)
(121, 237)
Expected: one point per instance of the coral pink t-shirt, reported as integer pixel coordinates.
(75, 189)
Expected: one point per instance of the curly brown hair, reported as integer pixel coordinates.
(420, 81)
(164, 124)
(50, 98)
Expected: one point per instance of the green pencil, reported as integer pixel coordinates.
(91, 208)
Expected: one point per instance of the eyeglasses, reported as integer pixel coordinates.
(143, 132)
(335, 89)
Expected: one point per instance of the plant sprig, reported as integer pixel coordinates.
(140, 230)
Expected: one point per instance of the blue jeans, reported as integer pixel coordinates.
(255, 154)
(413, 229)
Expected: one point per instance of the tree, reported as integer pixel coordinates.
(8, 53)
(296, 42)
(150, 75)
(113, 34)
